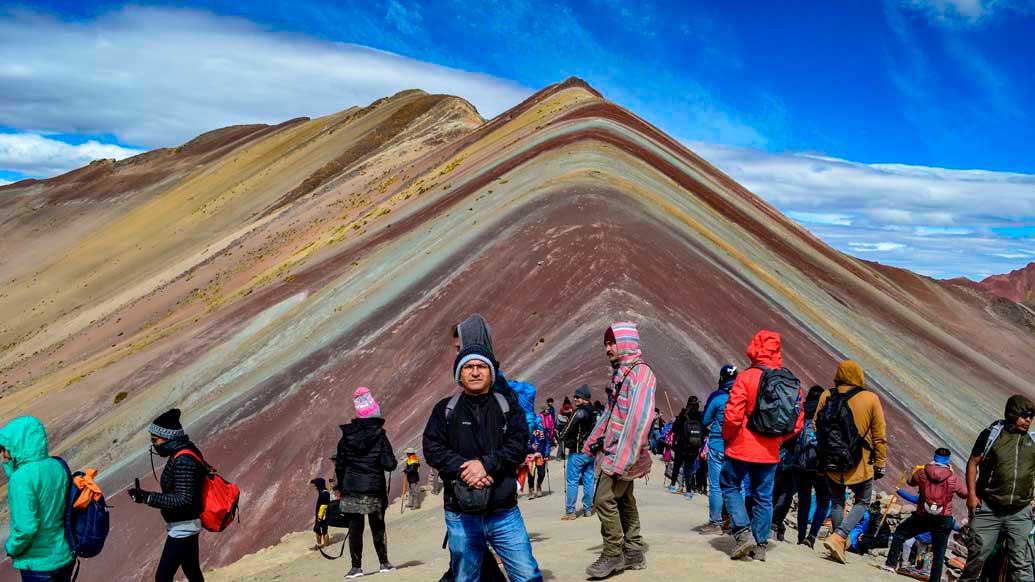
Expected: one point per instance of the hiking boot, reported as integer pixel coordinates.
(710, 529)
(743, 544)
(587, 513)
(354, 573)
(758, 554)
(386, 567)
(605, 566)
(781, 536)
(835, 544)
(809, 541)
(635, 560)
(569, 517)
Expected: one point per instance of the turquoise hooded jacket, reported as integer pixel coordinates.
(37, 492)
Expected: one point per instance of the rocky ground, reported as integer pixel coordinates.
(563, 549)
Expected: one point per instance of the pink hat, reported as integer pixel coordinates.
(366, 406)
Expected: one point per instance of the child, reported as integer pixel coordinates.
(412, 471)
(323, 499)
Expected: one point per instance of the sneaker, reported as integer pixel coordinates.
(354, 573)
(758, 554)
(743, 544)
(710, 529)
(809, 541)
(887, 568)
(634, 560)
(569, 517)
(605, 566)
(688, 496)
(671, 488)
(386, 567)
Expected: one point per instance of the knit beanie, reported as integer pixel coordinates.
(167, 425)
(366, 406)
(474, 352)
(609, 336)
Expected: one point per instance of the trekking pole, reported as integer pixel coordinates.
(402, 498)
(670, 409)
(549, 486)
(893, 497)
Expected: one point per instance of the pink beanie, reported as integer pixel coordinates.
(366, 406)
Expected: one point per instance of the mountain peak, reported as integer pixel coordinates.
(1017, 285)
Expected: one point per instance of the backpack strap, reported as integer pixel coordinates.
(994, 430)
(69, 536)
(196, 457)
(501, 400)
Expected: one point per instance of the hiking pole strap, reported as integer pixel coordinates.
(340, 552)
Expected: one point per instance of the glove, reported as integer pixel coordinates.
(878, 473)
(138, 495)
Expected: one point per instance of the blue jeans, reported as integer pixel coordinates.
(504, 531)
(61, 575)
(762, 476)
(580, 468)
(715, 459)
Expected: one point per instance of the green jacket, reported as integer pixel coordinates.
(37, 493)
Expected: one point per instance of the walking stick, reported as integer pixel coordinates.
(549, 486)
(893, 497)
(402, 498)
(670, 409)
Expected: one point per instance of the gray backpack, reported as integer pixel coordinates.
(778, 404)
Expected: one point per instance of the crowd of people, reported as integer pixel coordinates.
(760, 441)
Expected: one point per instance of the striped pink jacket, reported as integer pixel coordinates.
(626, 427)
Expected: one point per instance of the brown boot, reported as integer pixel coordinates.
(835, 544)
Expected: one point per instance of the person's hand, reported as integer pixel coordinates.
(973, 503)
(484, 482)
(878, 473)
(472, 472)
(137, 494)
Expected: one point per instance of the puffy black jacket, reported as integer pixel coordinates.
(181, 481)
(482, 432)
(579, 427)
(364, 455)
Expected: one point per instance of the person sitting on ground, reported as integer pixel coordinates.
(579, 468)
(1000, 490)
(476, 439)
(180, 500)
(37, 488)
(412, 471)
(850, 401)
(323, 500)
(364, 455)
(937, 484)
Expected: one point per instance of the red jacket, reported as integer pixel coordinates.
(937, 484)
(741, 443)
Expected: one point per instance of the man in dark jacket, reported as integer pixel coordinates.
(476, 439)
(1000, 490)
(579, 467)
(180, 499)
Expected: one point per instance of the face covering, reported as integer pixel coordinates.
(167, 448)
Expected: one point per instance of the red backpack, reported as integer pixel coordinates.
(219, 497)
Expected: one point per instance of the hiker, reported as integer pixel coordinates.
(37, 490)
(548, 420)
(364, 456)
(852, 450)
(872, 533)
(805, 480)
(579, 468)
(714, 414)
(476, 439)
(412, 471)
(323, 500)
(937, 484)
(621, 437)
(534, 465)
(180, 500)
(753, 434)
(1000, 490)
(688, 436)
(563, 418)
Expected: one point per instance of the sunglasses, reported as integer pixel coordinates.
(1028, 414)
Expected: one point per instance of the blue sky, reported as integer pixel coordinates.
(884, 127)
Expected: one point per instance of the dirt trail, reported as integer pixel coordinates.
(563, 549)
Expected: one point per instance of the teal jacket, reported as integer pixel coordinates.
(37, 493)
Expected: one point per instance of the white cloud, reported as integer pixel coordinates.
(880, 247)
(964, 12)
(159, 77)
(939, 219)
(39, 156)
(5, 182)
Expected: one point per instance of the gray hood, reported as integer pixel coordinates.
(475, 331)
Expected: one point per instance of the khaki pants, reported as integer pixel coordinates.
(1016, 525)
(619, 519)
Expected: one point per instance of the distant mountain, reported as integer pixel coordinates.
(1016, 285)
(257, 275)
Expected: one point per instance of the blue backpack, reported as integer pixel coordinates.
(85, 529)
(525, 394)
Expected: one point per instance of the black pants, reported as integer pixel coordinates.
(377, 529)
(180, 553)
(783, 493)
(940, 527)
(683, 460)
(807, 483)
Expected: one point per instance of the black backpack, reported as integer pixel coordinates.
(778, 404)
(694, 433)
(840, 444)
(806, 456)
